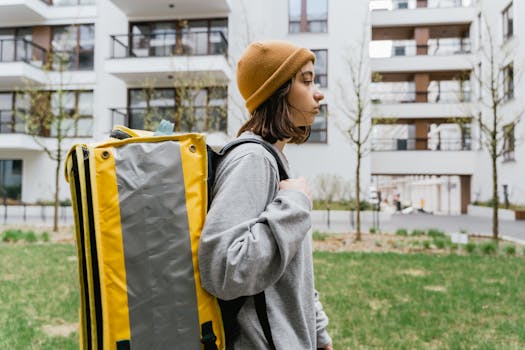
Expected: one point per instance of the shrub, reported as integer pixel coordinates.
(30, 237)
(319, 236)
(418, 232)
(12, 235)
(510, 249)
(440, 242)
(453, 247)
(489, 248)
(45, 237)
(372, 230)
(426, 244)
(435, 233)
(470, 247)
(401, 232)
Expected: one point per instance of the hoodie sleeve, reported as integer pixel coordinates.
(321, 321)
(250, 234)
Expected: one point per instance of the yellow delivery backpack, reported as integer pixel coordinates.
(139, 203)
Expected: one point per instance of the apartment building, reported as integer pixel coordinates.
(136, 62)
(430, 88)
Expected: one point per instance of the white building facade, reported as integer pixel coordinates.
(136, 62)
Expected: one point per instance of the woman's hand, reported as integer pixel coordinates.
(300, 184)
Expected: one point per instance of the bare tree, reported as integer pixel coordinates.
(46, 117)
(328, 188)
(496, 82)
(356, 124)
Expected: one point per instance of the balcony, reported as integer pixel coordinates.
(14, 12)
(391, 5)
(175, 8)
(421, 13)
(424, 162)
(170, 56)
(21, 61)
(399, 104)
(401, 97)
(421, 144)
(404, 48)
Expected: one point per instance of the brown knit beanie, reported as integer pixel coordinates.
(265, 66)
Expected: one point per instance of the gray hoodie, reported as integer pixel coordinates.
(257, 237)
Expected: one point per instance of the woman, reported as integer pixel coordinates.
(256, 237)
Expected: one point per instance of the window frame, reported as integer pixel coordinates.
(321, 131)
(508, 82)
(509, 142)
(179, 26)
(178, 104)
(319, 75)
(75, 66)
(508, 31)
(304, 21)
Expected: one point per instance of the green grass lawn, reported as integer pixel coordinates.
(387, 301)
(398, 301)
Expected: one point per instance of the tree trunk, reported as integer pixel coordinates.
(57, 190)
(495, 197)
(358, 194)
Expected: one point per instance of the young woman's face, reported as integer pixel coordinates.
(304, 97)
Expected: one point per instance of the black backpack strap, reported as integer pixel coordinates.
(239, 141)
(230, 309)
(213, 158)
(262, 315)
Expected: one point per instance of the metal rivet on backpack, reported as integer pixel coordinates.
(193, 149)
(105, 155)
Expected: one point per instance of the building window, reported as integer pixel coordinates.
(11, 108)
(179, 37)
(191, 109)
(77, 107)
(321, 67)
(308, 16)
(11, 178)
(73, 46)
(35, 113)
(508, 25)
(320, 126)
(480, 29)
(508, 82)
(15, 44)
(509, 141)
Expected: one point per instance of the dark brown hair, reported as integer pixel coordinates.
(272, 119)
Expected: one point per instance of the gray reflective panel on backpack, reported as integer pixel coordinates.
(159, 269)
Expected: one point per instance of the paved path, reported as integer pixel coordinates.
(340, 222)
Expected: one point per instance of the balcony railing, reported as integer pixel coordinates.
(390, 5)
(22, 50)
(193, 119)
(163, 44)
(388, 97)
(421, 144)
(403, 48)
